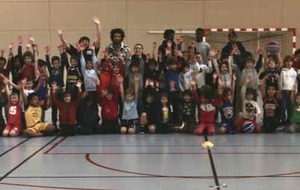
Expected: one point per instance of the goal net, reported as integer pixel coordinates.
(252, 40)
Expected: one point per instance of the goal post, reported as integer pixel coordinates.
(251, 38)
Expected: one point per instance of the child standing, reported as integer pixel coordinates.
(56, 71)
(148, 119)
(288, 78)
(130, 103)
(109, 110)
(270, 96)
(67, 110)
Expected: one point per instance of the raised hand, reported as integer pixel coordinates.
(193, 43)
(47, 50)
(154, 45)
(234, 77)
(96, 20)
(78, 84)
(259, 51)
(214, 53)
(215, 76)
(193, 84)
(248, 79)
(60, 32)
(20, 40)
(92, 47)
(10, 46)
(31, 39)
(28, 46)
(35, 48)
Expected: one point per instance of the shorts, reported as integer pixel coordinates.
(130, 123)
(110, 127)
(10, 127)
(39, 127)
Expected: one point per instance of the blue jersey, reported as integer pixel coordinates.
(227, 112)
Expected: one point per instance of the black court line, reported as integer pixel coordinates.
(170, 145)
(12, 148)
(213, 167)
(135, 177)
(28, 158)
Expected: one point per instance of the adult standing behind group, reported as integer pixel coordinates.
(118, 49)
(202, 47)
(84, 42)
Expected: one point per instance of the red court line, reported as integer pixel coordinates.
(55, 145)
(88, 159)
(47, 187)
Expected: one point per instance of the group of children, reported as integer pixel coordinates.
(193, 91)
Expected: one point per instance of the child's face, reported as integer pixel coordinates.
(271, 64)
(228, 97)
(204, 100)
(297, 100)
(164, 100)
(271, 91)
(249, 64)
(187, 98)
(224, 69)
(85, 43)
(56, 64)
(220, 89)
(109, 96)
(173, 67)
(17, 63)
(289, 64)
(67, 98)
(138, 50)
(134, 69)
(151, 67)
(29, 85)
(2, 64)
(249, 96)
(34, 101)
(74, 63)
(27, 60)
(149, 99)
(14, 99)
(129, 97)
(191, 52)
(89, 65)
(42, 69)
(198, 58)
(116, 69)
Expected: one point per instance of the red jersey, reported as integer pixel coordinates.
(14, 115)
(105, 77)
(27, 71)
(110, 107)
(67, 111)
(207, 110)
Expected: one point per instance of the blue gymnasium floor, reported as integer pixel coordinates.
(150, 162)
